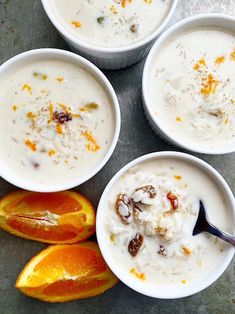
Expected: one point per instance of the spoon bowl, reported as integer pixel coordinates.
(204, 225)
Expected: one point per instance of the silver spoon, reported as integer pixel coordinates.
(203, 225)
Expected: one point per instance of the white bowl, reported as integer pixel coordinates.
(214, 20)
(164, 291)
(40, 54)
(108, 58)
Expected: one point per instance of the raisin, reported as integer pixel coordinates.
(133, 28)
(173, 200)
(62, 117)
(148, 189)
(135, 244)
(36, 165)
(162, 251)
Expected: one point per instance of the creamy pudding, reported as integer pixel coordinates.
(149, 217)
(111, 23)
(192, 90)
(57, 121)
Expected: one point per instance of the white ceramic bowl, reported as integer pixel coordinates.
(108, 58)
(40, 54)
(214, 20)
(164, 291)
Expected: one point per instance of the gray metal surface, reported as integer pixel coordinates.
(24, 26)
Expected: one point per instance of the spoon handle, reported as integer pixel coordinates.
(222, 234)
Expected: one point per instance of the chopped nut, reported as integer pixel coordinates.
(136, 212)
(178, 119)
(36, 165)
(133, 28)
(124, 208)
(173, 200)
(218, 112)
(135, 244)
(27, 87)
(162, 251)
(40, 75)
(92, 105)
(113, 238)
(100, 19)
(162, 231)
(144, 194)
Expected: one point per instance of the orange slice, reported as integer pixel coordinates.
(66, 272)
(63, 217)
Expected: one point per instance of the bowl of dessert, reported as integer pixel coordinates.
(60, 120)
(188, 84)
(145, 222)
(112, 34)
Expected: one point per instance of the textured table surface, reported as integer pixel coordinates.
(24, 26)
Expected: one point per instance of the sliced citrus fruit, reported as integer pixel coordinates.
(63, 217)
(66, 272)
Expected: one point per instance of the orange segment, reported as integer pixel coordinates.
(66, 272)
(63, 217)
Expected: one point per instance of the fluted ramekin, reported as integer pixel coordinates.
(108, 58)
(199, 21)
(40, 54)
(165, 291)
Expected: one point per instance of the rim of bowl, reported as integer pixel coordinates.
(93, 70)
(100, 232)
(102, 49)
(146, 99)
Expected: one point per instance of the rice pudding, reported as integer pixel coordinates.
(191, 87)
(149, 216)
(57, 121)
(111, 23)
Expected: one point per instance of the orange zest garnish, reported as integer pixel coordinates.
(62, 217)
(76, 24)
(51, 111)
(65, 108)
(186, 251)
(31, 115)
(51, 152)
(92, 145)
(138, 275)
(209, 85)
(219, 60)
(66, 272)
(59, 129)
(200, 63)
(31, 145)
(60, 79)
(27, 87)
(178, 177)
(125, 2)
